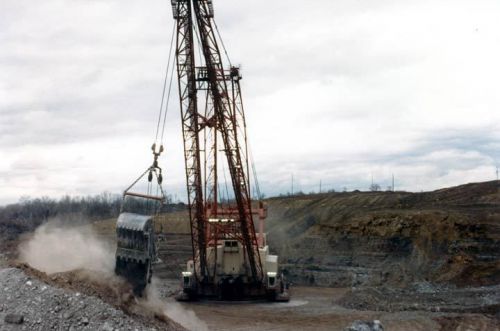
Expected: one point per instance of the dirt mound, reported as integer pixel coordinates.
(36, 301)
(112, 290)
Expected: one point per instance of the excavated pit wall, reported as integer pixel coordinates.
(389, 238)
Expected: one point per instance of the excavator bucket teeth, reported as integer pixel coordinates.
(136, 273)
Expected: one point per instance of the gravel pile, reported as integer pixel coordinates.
(29, 304)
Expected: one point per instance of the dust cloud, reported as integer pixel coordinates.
(55, 248)
(171, 309)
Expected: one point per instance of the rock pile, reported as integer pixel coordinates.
(33, 305)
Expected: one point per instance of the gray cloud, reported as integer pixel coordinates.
(335, 91)
(450, 157)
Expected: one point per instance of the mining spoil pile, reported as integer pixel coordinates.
(32, 300)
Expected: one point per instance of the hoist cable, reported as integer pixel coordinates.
(222, 43)
(167, 103)
(197, 33)
(148, 203)
(157, 209)
(165, 84)
(225, 181)
(254, 171)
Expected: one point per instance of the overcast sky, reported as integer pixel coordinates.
(335, 90)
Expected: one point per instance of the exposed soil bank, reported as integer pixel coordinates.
(449, 236)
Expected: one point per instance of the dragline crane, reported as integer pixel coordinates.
(230, 259)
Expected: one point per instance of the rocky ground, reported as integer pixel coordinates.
(426, 297)
(27, 303)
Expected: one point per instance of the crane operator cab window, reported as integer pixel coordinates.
(231, 246)
(186, 279)
(271, 279)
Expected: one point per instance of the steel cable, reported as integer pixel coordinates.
(167, 103)
(222, 43)
(165, 84)
(254, 171)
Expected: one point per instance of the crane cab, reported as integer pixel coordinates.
(230, 277)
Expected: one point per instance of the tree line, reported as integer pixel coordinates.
(29, 213)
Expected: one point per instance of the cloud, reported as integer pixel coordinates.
(334, 91)
(438, 160)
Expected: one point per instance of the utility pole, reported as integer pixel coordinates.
(292, 184)
(393, 183)
(497, 172)
(320, 183)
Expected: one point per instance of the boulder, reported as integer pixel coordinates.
(14, 318)
(365, 326)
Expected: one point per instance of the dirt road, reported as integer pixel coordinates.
(314, 309)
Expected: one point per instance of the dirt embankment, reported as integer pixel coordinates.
(372, 238)
(65, 263)
(71, 301)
